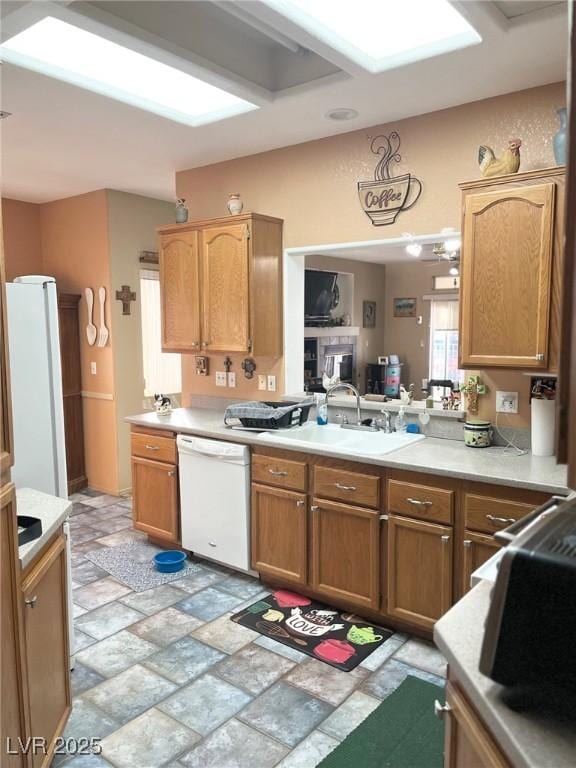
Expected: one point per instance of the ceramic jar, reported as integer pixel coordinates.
(181, 211)
(478, 434)
(560, 138)
(235, 204)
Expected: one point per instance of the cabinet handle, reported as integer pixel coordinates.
(204, 343)
(445, 539)
(152, 447)
(440, 710)
(417, 503)
(212, 543)
(383, 517)
(345, 487)
(500, 520)
(539, 357)
(278, 472)
(194, 343)
(299, 503)
(467, 543)
(314, 508)
(31, 601)
(172, 473)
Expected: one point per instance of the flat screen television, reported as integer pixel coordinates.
(318, 295)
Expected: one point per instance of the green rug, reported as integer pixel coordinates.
(402, 733)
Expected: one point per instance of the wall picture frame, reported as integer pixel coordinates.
(405, 307)
(368, 314)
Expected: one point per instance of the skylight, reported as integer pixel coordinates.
(382, 34)
(66, 52)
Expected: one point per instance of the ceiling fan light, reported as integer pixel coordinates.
(454, 271)
(414, 249)
(453, 244)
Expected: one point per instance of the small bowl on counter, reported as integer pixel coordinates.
(170, 561)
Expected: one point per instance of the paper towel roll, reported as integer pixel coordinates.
(543, 427)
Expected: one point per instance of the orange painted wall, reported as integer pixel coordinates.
(312, 186)
(22, 242)
(75, 250)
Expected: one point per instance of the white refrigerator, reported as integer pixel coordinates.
(36, 385)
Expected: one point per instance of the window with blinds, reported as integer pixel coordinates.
(162, 370)
(444, 340)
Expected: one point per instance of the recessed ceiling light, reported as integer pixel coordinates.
(380, 35)
(342, 113)
(66, 52)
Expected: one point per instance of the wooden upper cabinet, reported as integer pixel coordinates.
(511, 271)
(221, 286)
(225, 298)
(180, 291)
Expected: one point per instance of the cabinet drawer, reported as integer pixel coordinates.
(485, 514)
(358, 489)
(280, 472)
(154, 447)
(420, 501)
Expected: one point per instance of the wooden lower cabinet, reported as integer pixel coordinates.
(279, 533)
(155, 499)
(476, 549)
(419, 570)
(467, 742)
(12, 710)
(44, 592)
(346, 552)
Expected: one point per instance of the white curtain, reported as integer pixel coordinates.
(444, 315)
(444, 342)
(162, 370)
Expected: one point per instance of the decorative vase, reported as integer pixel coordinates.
(235, 204)
(560, 138)
(181, 211)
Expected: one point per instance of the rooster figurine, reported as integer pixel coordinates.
(508, 162)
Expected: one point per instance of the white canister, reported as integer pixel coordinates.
(543, 426)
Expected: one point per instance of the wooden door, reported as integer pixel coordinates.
(419, 570)
(180, 291)
(477, 548)
(506, 277)
(155, 498)
(13, 706)
(44, 592)
(279, 533)
(467, 743)
(69, 324)
(225, 289)
(346, 552)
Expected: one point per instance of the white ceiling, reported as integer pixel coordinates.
(62, 140)
(391, 250)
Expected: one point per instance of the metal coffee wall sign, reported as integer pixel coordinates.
(387, 196)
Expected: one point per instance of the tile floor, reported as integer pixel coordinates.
(166, 680)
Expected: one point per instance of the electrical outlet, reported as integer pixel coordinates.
(93, 369)
(262, 383)
(231, 379)
(271, 383)
(506, 402)
(220, 378)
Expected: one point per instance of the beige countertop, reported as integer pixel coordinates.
(433, 455)
(51, 510)
(528, 740)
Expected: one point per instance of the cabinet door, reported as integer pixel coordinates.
(180, 291)
(419, 570)
(12, 710)
(506, 277)
(346, 552)
(467, 743)
(47, 654)
(225, 289)
(477, 548)
(279, 537)
(155, 498)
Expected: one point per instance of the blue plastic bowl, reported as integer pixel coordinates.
(170, 561)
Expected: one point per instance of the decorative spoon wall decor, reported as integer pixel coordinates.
(91, 330)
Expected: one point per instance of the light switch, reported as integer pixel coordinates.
(231, 379)
(93, 369)
(220, 378)
(271, 383)
(262, 384)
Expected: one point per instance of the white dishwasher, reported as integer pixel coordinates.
(215, 499)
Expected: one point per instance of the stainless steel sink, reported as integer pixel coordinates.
(346, 441)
